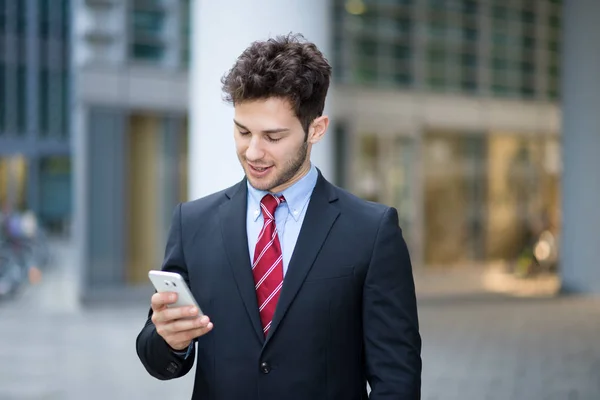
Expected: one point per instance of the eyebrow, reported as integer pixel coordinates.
(267, 131)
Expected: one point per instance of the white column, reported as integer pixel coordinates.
(221, 30)
(580, 247)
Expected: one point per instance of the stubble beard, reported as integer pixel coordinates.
(290, 171)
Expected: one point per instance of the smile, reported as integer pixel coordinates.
(259, 170)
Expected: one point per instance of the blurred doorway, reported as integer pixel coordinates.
(157, 181)
(55, 193)
(13, 182)
(488, 197)
(455, 198)
(383, 171)
(524, 185)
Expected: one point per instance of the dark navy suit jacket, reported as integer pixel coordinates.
(347, 312)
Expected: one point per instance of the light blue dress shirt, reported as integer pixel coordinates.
(288, 216)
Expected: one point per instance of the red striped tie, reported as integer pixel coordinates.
(267, 267)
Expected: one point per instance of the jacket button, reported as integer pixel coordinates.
(265, 368)
(172, 368)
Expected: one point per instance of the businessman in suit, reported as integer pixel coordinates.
(307, 291)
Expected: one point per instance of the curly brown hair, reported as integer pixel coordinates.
(287, 67)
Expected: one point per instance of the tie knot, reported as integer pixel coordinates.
(269, 204)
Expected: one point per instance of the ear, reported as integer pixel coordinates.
(317, 129)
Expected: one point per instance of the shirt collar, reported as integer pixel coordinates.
(296, 196)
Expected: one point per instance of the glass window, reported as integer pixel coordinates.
(55, 188)
(364, 22)
(470, 34)
(65, 105)
(56, 103)
(2, 15)
(469, 60)
(147, 24)
(43, 98)
(185, 32)
(2, 95)
(500, 39)
(438, 4)
(528, 42)
(21, 100)
(65, 15)
(527, 91)
(44, 18)
(500, 89)
(402, 51)
(469, 85)
(438, 28)
(403, 79)
(337, 61)
(499, 63)
(366, 46)
(436, 55)
(554, 21)
(65, 32)
(469, 7)
(437, 77)
(527, 80)
(396, 25)
(369, 178)
(21, 17)
(388, 3)
(500, 12)
(528, 17)
(527, 67)
(147, 51)
(454, 198)
(366, 70)
(382, 171)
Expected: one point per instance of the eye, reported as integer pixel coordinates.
(244, 133)
(273, 140)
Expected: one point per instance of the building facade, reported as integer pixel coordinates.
(450, 113)
(447, 110)
(35, 167)
(130, 148)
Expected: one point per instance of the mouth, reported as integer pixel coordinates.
(259, 171)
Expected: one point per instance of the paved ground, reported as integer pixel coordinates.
(477, 348)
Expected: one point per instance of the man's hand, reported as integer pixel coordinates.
(171, 323)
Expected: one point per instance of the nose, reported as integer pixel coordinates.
(254, 152)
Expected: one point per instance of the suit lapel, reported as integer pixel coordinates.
(317, 223)
(233, 227)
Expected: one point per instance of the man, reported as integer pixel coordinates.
(307, 290)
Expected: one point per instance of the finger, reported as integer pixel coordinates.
(175, 313)
(182, 325)
(159, 300)
(186, 336)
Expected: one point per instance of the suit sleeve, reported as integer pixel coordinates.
(155, 354)
(392, 342)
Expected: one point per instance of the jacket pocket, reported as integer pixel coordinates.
(324, 273)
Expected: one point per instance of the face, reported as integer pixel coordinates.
(271, 144)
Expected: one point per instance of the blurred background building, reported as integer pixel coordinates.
(449, 112)
(35, 163)
(130, 61)
(446, 109)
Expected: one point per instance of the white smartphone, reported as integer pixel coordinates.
(173, 282)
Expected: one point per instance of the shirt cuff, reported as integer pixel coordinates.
(185, 354)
